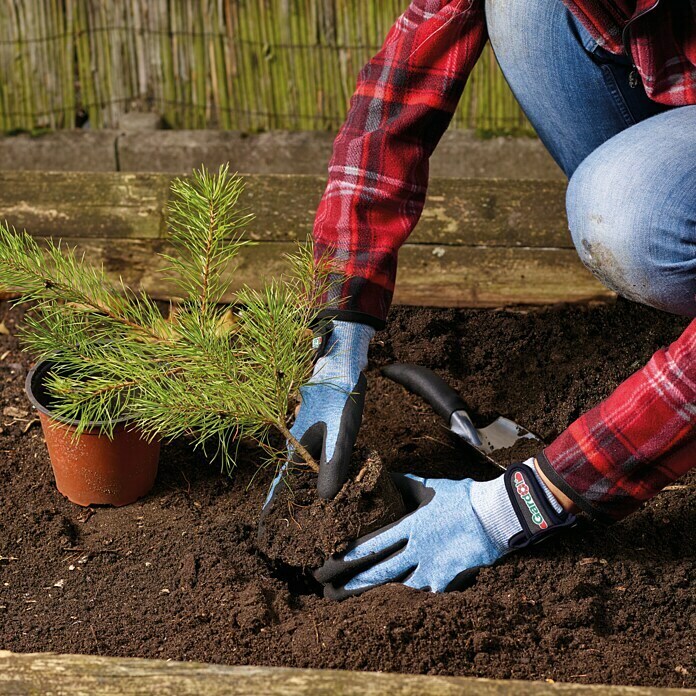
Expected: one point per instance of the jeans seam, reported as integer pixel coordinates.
(612, 86)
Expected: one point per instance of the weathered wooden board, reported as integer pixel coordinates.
(95, 204)
(495, 212)
(454, 276)
(479, 242)
(472, 212)
(86, 675)
(431, 275)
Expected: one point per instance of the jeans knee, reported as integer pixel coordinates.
(512, 26)
(600, 235)
(636, 241)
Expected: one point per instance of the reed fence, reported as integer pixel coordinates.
(233, 64)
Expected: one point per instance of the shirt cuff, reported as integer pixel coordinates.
(353, 317)
(588, 508)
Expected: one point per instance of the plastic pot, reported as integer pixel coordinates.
(93, 469)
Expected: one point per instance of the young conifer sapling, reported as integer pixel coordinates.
(206, 371)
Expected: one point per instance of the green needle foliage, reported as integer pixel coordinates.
(205, 230)
(206, 371)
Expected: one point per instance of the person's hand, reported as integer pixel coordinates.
(456, 527)
(331, 408)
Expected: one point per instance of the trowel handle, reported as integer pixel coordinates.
(424, 382)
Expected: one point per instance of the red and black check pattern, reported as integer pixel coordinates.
(404, 100)
(661, 39)
(634, 443)
(378, 174)
(642, 437)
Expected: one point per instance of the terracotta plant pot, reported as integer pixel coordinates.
(93, 470)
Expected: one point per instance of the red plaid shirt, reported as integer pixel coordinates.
(378, 177)
(634, 443)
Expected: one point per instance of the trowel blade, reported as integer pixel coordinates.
(501, 434)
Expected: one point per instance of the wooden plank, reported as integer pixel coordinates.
(89, 675)
(96, 204)
(97, 189)
(453, 276)
(471, 212)
(428, 274)
(495, 212)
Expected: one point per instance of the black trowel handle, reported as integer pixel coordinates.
(424, 382)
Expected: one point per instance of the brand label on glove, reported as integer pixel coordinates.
(530, 510)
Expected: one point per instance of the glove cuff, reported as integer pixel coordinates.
(344, 355)
(507, 517)
(351, 316)
(538, 512)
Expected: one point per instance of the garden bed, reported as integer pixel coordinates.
(179, 575)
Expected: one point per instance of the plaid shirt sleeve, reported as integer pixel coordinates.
(378, 174)
(637, 441)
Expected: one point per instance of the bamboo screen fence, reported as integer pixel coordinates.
(234, 64)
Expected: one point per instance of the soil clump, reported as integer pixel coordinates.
(302, 531)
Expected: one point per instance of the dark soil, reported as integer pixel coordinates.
(301, 531)
(523, 449)
(180, 575)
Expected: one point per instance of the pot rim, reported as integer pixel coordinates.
(37, 374)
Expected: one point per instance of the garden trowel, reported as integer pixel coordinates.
(500, 434)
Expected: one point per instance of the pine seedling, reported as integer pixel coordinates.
(206, 372)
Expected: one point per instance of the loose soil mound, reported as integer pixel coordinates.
(301, 531)
(179, 575)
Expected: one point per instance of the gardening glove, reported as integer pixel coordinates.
(456, 528)
(331, 407)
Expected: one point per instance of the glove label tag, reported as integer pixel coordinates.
(534, 512)
(522, 490)
(322, 331)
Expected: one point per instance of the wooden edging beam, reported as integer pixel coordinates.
(447, 276)
(469, 212)
(479, 243)
(87, 675)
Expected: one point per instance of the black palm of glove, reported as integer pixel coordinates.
(331, 411)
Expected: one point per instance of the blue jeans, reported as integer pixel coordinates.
(631, 199)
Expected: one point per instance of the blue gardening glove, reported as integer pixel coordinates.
(332, 406)
(456, 528)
